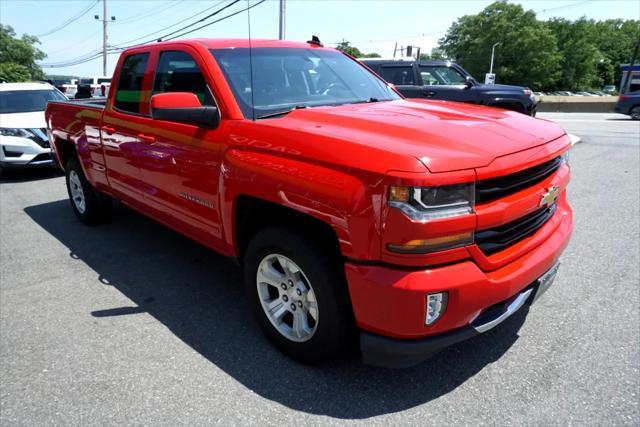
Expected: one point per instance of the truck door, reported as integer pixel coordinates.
(445, 83)
(121, 125)
(180, 163)
(403, 77)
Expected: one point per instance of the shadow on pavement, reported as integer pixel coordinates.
(197, 294)
(24, 175)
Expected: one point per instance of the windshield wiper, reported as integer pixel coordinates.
(365, 101)
(280, 113)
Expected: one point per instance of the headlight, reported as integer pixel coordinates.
(35, 135)
(15, 132)
(426, 203)
(564, 157)
(429, 203)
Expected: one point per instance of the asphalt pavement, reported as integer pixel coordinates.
(130, 323)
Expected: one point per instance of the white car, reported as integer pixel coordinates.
(23, 131)
(98, 86)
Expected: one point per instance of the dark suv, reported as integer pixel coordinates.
(450, 82)
(629, 104)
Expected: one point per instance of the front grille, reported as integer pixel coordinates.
(494, 188)
(496, 239)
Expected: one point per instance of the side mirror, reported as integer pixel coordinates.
(184, 107)
(468, 82)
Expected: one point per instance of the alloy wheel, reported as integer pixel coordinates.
(287, 298)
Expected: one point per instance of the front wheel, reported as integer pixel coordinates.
(635, 113)
(89, 206)
(298, 294)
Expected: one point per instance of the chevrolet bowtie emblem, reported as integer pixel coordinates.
(550, 197)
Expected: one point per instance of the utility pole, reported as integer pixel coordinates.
(283, 9)
(104, 35)
(493, 51)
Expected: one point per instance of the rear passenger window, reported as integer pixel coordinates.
(129, 92)
(398, 75)
(178, 72)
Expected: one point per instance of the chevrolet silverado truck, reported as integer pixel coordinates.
(358, 217)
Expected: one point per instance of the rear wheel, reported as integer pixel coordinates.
(298, 294)
(89, 206)
(635, 113)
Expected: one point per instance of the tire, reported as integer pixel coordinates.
(635, 113)
(89, 206)
(329, 333)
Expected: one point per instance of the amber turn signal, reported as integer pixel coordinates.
(421, 246)
(399, 194)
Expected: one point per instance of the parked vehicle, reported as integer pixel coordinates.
(629, 104)
(450, 82)
(411, 223)
(67, 87)
(96, 86)
(609, 89)
(23, 134)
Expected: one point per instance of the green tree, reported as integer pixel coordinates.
(527, 55)
(580, 56)
(436, 54)
(18, 56)
(346, 47)
(615, 39)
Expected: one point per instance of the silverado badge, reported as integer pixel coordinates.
(550, 197)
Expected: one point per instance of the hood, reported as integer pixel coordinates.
(502, 88)
(30, 120)
(444, 136)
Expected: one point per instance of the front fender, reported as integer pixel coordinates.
(345, 200)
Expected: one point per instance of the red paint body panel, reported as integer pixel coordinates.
(392, 302)
(335, 164)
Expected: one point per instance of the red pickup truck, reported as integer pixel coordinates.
(358, 216)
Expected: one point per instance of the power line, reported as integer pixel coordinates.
(566, 6)
(96, 54)
(69, 21)
(392, 39)
(148, 13)
(83, 58)
(84, 41)
(69, 64)
(218, 20)
(193, 23)
(170, 26)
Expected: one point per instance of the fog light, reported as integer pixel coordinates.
(436, 306)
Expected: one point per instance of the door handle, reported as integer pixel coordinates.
(147, 139)
(429, 94)
(109, 129)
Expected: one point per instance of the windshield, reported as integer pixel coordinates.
(287, 78)
(85, 81)
(24, 101)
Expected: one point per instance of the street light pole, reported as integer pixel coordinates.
(282, 19)
(493, 51)
(104, 37)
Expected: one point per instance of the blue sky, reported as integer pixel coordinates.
(372, 26)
